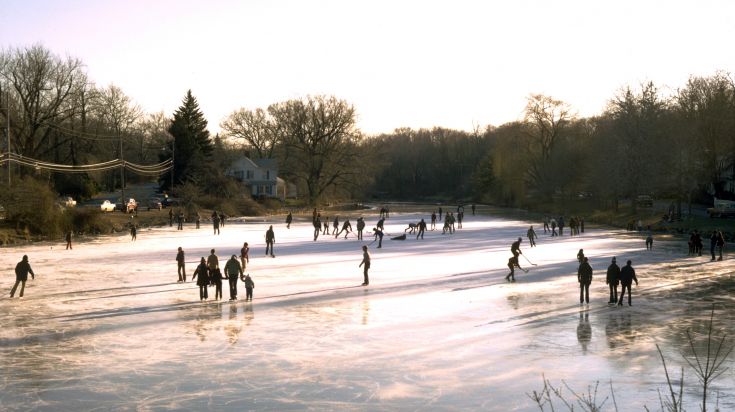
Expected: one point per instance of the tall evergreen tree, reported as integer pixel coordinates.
(191, 140)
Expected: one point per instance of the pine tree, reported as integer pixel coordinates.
(191, 140)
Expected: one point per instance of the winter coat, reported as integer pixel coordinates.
(584, 274)
(22, 269)
(613, 274)
(269, 236)
(249, 284)
(360, 224)
(201, 273)
(627, 275)
(233, 269)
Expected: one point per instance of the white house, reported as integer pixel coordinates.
(261, 175)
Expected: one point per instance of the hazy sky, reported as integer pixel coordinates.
(401, 63)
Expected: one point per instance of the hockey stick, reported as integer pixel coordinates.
(524, 257)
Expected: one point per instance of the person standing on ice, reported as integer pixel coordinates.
(584, 276)
(289, 219)
(612, 280)
(215, 222)
(649, 241)
(713, 244)
(325, 224)
(512, 264)
(553, 227)
(440, 213)
(515, 248)
(473, 209)
(561, 225)
(433, 220)
(360, 227)
(317, 227)
(720, 243)
(180, 220)
(249, 285)
(627, 276)
(270, 239)
(335, 225)
(346, 227)
(203, 281)
(531, 236)
(213, 266)
(133, 232)
(422, 229)
(198, 220)
(170, 217)
(68, 240)
(244, 255)
(366, 263)
(22, 269)
(180, 263)
(233, 271)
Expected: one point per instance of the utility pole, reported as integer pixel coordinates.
(173, 162)
(122, 176)
(7, 118)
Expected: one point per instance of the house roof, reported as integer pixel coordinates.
(266, 163)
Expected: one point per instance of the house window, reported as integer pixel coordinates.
(250, 174)
(267, 175)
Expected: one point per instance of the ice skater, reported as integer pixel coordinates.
(181, 265)
(612, 280)
(233, 271)
(68, 240)
(720, 243)
(215, 222)
(244, 255)
(133, 233)
(422, 229)
(433, 220)
(249, 286)
(515, 248)
(531, 234)
(335, 225)
(203, 281)
(649, 241)
(584, 277)
(360, 227)
(512, 264)
(270, 239)
(580, 256)
(366, 263)
(317, 227)
(289, 219)
(212, 266)
(180, 220)
(627, 276)
(346, 227)
(22, 269)
(378, 236)
(713, 244)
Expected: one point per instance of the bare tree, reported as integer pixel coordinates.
(256, 128)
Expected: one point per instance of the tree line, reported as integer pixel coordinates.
(679, 145)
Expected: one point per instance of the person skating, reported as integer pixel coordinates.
(440, 213)
(515, 248)
(584, 276)
(198, 220)
(380, 224)
(202, 271)
(366, 263)
(346, 227)
(422, 229)
(452, 221)
(215, 222)
(580, 256)
(244, 255)
(170, 217)
(553, 227)
(222, 219)
(433, 220)
(180, 220)
(249, 286)
(270, 239)
(698, 244)
(546, 224)
(68, 240)
(720, 243)
(22, 269)
(460, 216)
(627, 276)
(133, 233)
(216, 279)
(360, 227)
(378, 236)
(335, 225)
(561, 225)
(473, 209)
(181, 265)
(612, 280)
(649, 241)
(512, 264)
(213, 266)
(289, 219)
(531, 234)
(233, 271)
(317, 227)
(325, 224)
(713, 244)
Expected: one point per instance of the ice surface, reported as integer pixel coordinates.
(105, 326)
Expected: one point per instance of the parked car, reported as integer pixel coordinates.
(155, 203)
(67, 201)
(107, 206)
(131, 206)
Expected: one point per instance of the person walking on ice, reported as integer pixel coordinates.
(360, 227)
(531, 234)
(22, 269)
(649, 241)
(249, 286)
(627, 276)
(317, 227)
(203, 281)
(422, 229)
(289, 219)
(68, 240)
(612, 280)
(270, 239)
(181, 265)
(244, 255)
(366, 263)
(233, 272)
(584, 277)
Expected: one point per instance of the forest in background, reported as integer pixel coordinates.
(678, 145)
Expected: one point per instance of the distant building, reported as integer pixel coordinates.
(261, 176)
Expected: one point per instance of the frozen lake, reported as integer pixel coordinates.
(105, 326)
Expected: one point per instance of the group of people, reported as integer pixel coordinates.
(615, 276)
(576, 225)
(716, 244)
(208, 274)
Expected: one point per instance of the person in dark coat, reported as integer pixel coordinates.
(473, 209)
(720, 244)
(346, 227)
(22, 269)
(366, 263)
(612, 280)
(698, 244)
(515, 248)
(649, 241)
(580, 256)
(440, 213)
(202, 271)
(317, 227)
(249, 286)
(180, 263)
(289, 219)
(270, 239)
(335, 225)
(378, 236)
(561, 225)
(584, 276)
(133, 233)
(68, 240)
(233, 271)
(512, 264)
(433, 220)
(360, 227)
(215, 222)
(170, 217)
(627, 276)
(380, 224)
(713, 244)
(422, 229)
(531, 236)
(180, 220)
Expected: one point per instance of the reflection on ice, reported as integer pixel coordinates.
(106, 326)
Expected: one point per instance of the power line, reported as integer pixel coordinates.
(154, 169)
